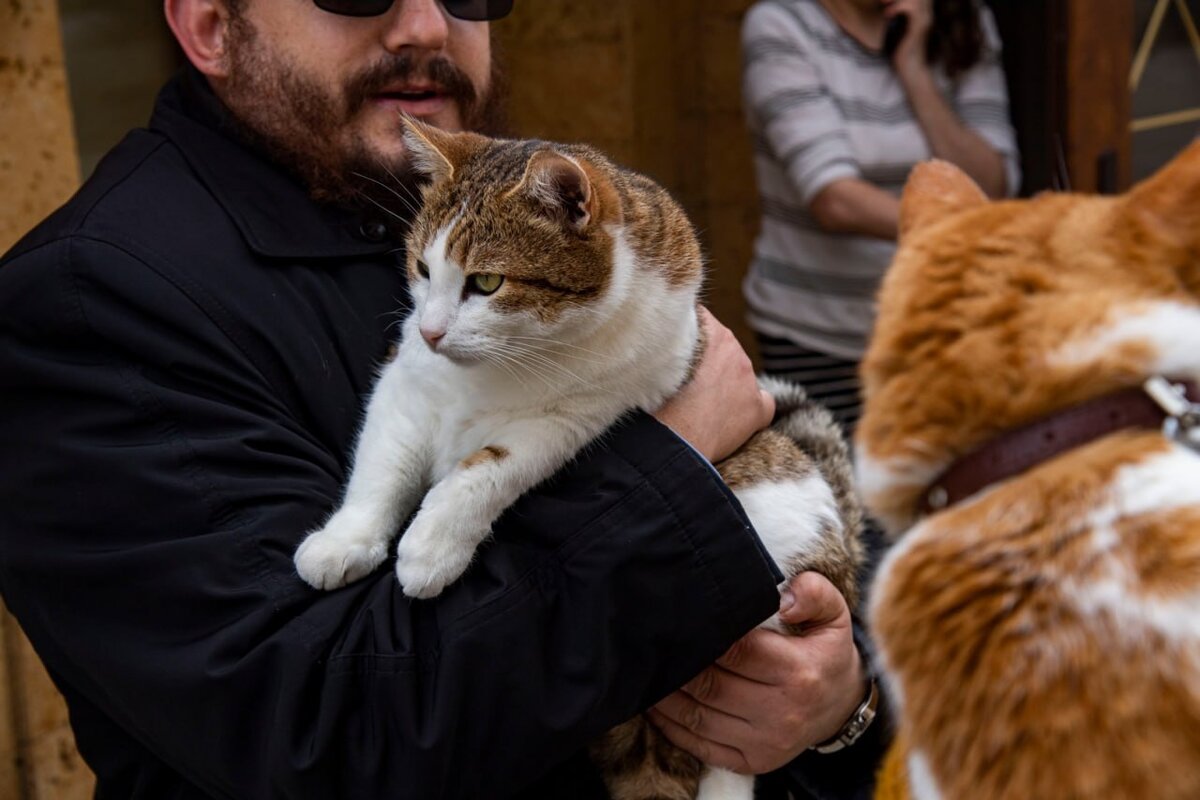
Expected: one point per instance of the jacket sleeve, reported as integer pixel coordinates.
(153, 489)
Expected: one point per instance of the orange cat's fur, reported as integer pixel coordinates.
(1041, 639)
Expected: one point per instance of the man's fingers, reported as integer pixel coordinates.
(702, 719)
(760, 656)
(767, 407)
(723, 691)
(816, 601)
(697, 743)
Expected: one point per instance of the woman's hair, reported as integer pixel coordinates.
(956, 41)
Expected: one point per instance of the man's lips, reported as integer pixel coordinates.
(416, 100)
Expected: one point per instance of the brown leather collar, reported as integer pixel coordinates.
(1017, 450)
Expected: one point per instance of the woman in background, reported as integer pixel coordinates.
(838, 123)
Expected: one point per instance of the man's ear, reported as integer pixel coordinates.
(202, 29)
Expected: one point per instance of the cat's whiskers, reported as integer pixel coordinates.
(500, 361)
(399, 315)
(557, 343)
(546, 362)
(527, 358)
(383, 208)
(528, 368)
(413, 195)
(407, 201)
(556, 353)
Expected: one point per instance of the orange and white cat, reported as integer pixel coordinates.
(552, 293)
(1040, 634)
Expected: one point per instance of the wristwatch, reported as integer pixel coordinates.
(856, 726)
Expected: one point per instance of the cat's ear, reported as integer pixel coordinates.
(934, 190)
(561, 186)
(1169, 202)
(434, 152)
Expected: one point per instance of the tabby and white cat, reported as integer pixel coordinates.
(554, 292)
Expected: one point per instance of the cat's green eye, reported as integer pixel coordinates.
(486, 282)
(422, 268)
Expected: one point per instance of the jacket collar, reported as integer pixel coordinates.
(270, 207)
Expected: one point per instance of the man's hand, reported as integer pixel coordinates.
(772, 696)
(721, 406)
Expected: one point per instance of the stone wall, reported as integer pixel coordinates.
(38, 171)
(38, 165)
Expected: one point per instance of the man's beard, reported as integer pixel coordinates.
(306, 128)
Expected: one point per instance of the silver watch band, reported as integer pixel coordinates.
(856, 726)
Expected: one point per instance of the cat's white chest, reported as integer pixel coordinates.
(458, 412)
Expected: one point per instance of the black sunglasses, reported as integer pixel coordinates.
(473, 10)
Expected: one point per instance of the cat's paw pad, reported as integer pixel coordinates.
(425, 566)
(330, 558)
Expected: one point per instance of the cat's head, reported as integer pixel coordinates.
(514, 243)
(995, 314)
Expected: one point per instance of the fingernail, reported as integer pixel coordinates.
(786, 600)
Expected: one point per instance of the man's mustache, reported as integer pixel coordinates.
(404, 68)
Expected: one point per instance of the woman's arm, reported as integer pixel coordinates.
(855, 206)
(948, 137)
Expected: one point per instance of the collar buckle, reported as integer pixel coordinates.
(1182, 423)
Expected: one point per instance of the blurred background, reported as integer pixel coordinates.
(1102, 93)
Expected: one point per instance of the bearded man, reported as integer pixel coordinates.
(185, 348)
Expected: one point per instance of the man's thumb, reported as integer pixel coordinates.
(810, 600)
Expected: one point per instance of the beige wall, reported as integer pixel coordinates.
(38, 165)
(656, 86)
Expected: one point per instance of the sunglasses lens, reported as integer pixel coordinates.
(478, 10)
(354, 8)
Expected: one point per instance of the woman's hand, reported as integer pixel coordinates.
(909, 57)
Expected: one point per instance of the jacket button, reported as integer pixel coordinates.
(373, 231)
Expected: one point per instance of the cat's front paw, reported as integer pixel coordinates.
(428, 560)
(339, 553)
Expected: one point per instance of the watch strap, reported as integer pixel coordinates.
(856, 725)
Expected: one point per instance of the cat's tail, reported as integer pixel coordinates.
(813, 428)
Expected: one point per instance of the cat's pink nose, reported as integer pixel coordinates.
(432, 336)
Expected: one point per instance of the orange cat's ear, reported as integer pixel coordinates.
(560, 184)
(934, 190)
(1169, 201)
(435, 152)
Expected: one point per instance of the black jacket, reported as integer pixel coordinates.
(185, 350)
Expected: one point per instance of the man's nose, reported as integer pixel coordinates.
(420, 24)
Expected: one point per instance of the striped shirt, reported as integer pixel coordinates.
(822, 107)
